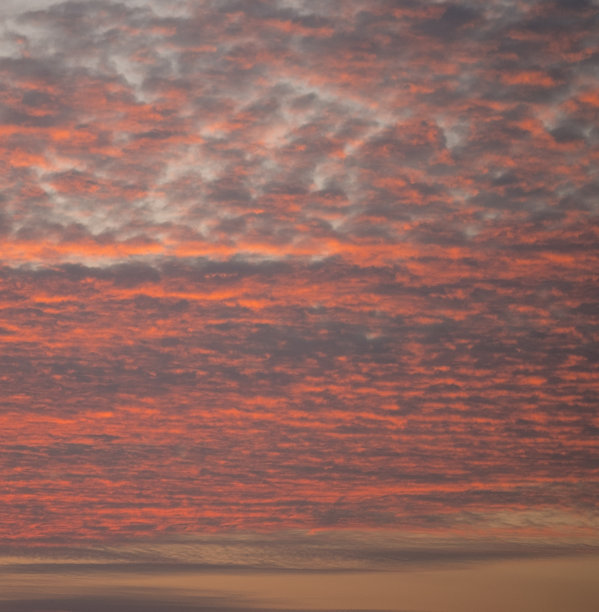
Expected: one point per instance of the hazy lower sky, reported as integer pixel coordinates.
(298, 305)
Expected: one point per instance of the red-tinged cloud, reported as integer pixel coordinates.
(272, 265)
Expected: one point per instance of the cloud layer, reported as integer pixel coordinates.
(298, 265)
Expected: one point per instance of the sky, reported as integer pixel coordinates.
(299, 305)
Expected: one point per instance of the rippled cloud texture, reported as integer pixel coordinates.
(301, 265)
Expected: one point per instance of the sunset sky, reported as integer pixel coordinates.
(299, 305)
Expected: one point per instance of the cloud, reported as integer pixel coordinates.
(311, 394)
(270, 265)
(100, 119)
(300, 551)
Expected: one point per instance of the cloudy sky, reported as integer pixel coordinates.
(298, 305)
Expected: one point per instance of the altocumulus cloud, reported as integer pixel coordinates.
(298, 265)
